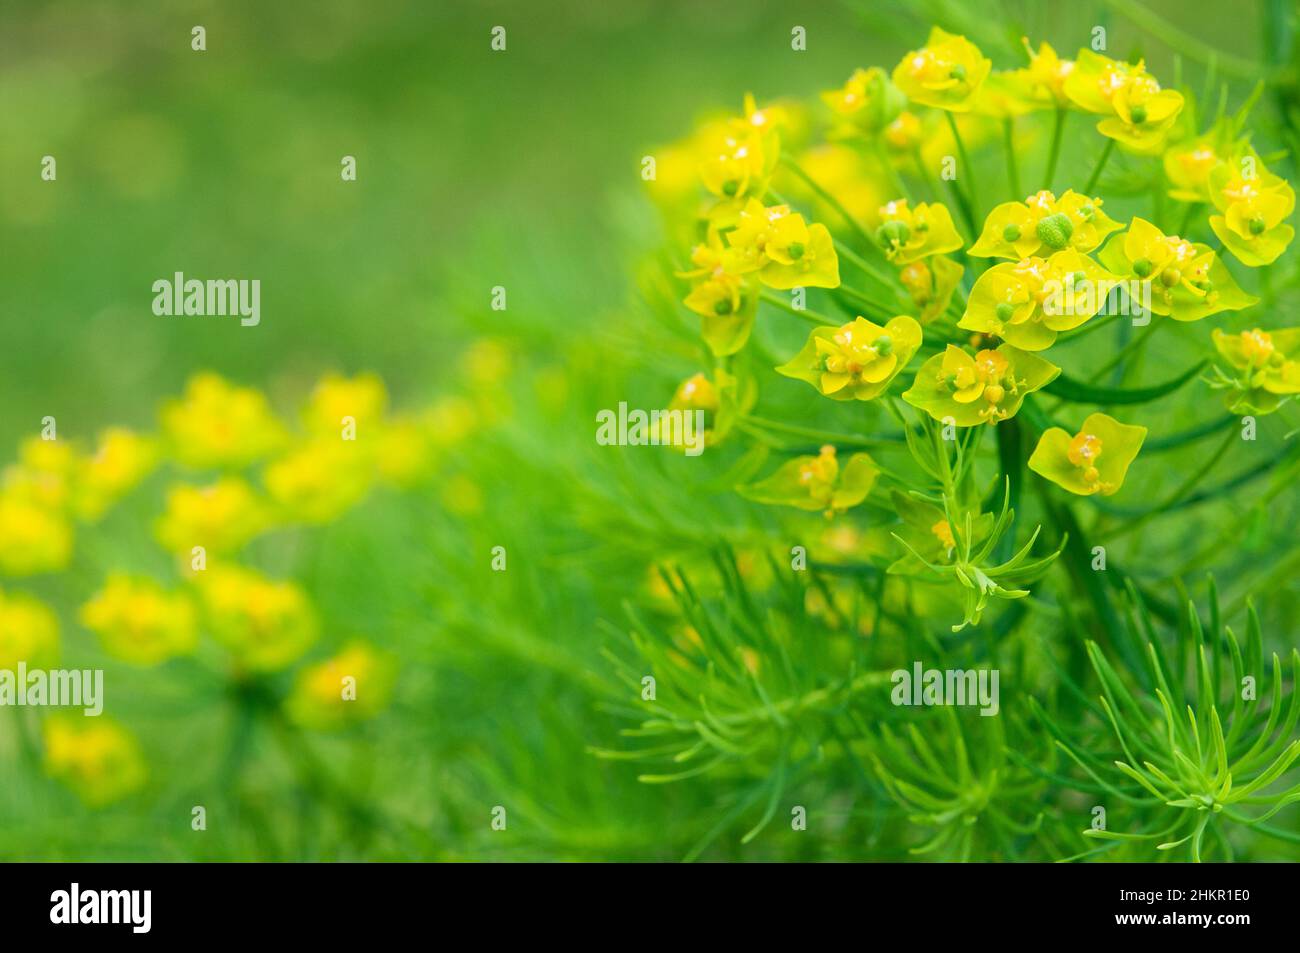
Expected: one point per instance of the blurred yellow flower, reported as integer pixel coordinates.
(138, 622)
(29, 632)
(868, 100)
(33, 537)
(216, 424)
(450, 420)
(722, 296)
(931, 284)
(404, 451)
(737, 158)
(362, 398)
(320, 479)
(122, 459)
(352, 686)
(97, 758)
(486, 363)
(947, 72)
(1048, 73)
(817, 483)
(266, 624)
(221, 517)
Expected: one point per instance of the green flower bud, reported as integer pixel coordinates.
(796, 250)
(1055, 230)
(958, 73)
(1011, 233)
(731, 187)
(1005, 311)
(722, 308)
(1138, 114)
(1257, 225)
(884, 345)
(893, 233)
(1170, 277)
(1142, 267)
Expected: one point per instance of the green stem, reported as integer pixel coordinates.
(1009, 141)
(826, 197)
(812, 316)
(1058, 128)
(968, 172)
(1101, 164)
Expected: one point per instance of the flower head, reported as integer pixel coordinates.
(722, 295)
(321, 478)
(221, 517)
(817, 483)
(362, 398)
(1188, 281)
(100, 760)
(1043, 224)
(868, 100)
(218, 425)
(1094, 460)
(931, 284)
(986, 388)
(138, 621)
(856, 361)
(737, 158)
(266, 624)
(354, 685)
(121, 460)
(1264, 368)
(1139, 114)
(29, 632)
(947, 72)
(1027, 303)
(908, 234)
(1253, 205)
(34, 538)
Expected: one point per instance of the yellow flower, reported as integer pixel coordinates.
(737, 158)
(1043, 224)
(843, 172)
(905, 133)
(1047, 74)
(722, 296)
(966, 391)
(1027, 303)
(1265, 365)
(947, 72)
(817, 483)
(1139, 114)
(1188, 164)
(122, 459)
(857, 361)
(221, 517)
(1187, 279)
(320, 479)
(722, 399)
(45, 472)
(362, 398)
(810, 265)
(931, 284)
(404, 451)
(266, 624)
(218, 425)
(138, 622)
(868, 100)
(1253, 203)
(450, 420)
(33, 537)
(1007, 94)
(352, 686)
(908, 234)
(29, 632)
(1094, 460)
(97, 758)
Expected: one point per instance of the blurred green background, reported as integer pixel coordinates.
(475, 169)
